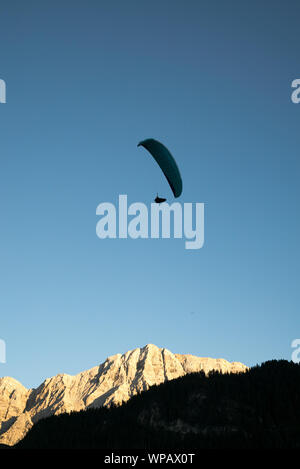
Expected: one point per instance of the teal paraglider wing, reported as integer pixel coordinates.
(166, 163)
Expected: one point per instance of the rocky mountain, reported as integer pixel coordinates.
(114, 381)
(258, 409)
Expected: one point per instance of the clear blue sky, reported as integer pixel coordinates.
(86, 81)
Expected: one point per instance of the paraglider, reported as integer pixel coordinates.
(166, 163)
(159, 200)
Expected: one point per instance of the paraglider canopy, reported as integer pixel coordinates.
(166, 163)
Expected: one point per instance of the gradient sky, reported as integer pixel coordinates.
(86, 81)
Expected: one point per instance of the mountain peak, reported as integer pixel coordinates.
(114, 381)
(9, 381)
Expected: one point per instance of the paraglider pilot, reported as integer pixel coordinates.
(159, 200)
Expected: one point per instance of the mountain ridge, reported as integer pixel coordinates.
(114, 381)
(252, 410)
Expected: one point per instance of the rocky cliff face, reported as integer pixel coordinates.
(114, 381)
